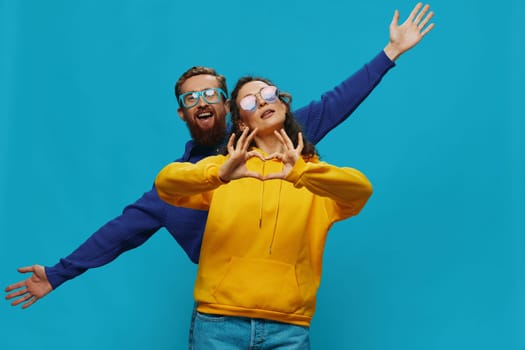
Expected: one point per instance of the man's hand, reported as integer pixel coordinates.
(407, 35)
(30, 290)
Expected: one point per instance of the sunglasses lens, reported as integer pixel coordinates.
(269, 93)
(248, 103)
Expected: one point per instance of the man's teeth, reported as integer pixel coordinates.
(204, 115)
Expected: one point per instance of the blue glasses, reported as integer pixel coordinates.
(191, 98)
(267, 93)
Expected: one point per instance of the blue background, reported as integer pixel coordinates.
(88, 117)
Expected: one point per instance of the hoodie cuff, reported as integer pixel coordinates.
(297, 172)
(212, 174)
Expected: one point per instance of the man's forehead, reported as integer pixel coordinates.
(200, 82)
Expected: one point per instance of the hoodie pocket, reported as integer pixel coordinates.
(259, 284)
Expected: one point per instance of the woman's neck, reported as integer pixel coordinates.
(268, 143)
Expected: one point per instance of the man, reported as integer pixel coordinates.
(202, 96)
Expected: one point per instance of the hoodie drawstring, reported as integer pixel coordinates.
(276, 217)
(276, 211)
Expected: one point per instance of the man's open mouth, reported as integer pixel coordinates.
(204, 115)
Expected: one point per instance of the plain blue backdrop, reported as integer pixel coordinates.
(88, 117)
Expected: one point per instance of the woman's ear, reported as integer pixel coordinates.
(241, 125)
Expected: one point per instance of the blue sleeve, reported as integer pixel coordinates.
(319, 117)
(137, 223)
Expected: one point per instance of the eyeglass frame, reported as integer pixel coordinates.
(200, 94)
(276, 97)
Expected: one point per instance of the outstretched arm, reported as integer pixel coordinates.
(136, 224)
(335, 106)
(319, 117)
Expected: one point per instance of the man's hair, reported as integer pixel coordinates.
(291, 125)
(199, 70)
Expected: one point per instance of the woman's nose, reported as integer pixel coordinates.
(260, 101)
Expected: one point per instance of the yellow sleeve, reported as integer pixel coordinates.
(190, 185)
(347, 187)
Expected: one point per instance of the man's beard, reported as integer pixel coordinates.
(210, 137)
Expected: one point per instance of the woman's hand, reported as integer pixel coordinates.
(288, 156)
(235, 166)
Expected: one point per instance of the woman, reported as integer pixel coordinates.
(271, 203)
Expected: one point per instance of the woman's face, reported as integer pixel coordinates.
(267, 112)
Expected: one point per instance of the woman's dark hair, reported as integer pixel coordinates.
(291, 126)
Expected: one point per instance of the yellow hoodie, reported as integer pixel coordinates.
(261, 254)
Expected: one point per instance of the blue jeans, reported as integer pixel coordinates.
(209, 332)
